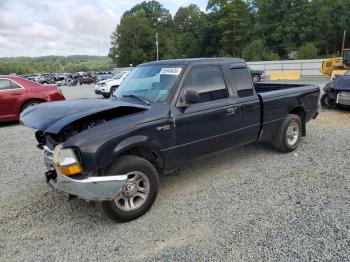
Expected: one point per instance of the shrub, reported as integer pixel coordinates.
(307, 51)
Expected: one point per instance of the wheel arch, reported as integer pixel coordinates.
(141, 146)
(299, 111)
(30, 99)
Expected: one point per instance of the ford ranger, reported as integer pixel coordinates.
(163, 115)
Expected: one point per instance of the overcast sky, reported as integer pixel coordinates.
(64, 27)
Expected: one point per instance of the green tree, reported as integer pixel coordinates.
(133, 40)
(231, 18)
(258, 51)
(188, 27)
(307, 51)
(162, 23)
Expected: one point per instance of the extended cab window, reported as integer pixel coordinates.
(242, 80)
(208, 81)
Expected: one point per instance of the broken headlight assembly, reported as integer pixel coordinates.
(66, 161)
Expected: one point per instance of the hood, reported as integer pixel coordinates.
(106, 80)
(109, 80)
(342, 83)
(51, 117)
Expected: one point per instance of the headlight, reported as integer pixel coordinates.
(67, 157)
(66, 162)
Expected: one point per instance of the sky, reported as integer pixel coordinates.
(65, 27)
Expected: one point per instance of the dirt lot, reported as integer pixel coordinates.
(250, 203)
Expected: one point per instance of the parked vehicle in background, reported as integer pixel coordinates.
(337, 92)
(164, 114)
(257, 75)
(108, 86)
(17, 94)
(104, 76)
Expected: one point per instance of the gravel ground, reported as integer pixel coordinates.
(251, 203)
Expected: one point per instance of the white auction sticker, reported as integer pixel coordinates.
(171, 71)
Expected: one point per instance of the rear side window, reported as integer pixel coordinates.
(208, 81)
(8, 84)
(242, 80)
(5, 84)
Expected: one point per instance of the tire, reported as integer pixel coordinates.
(106, 96)
(256, 78)
(30, 103)
(140, 170)
(289, 134)
(113, 88)
(326, 103)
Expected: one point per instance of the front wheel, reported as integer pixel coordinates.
(105, 96)
(289, 134)
(326, 102)
(256, 78)
(113, 88)
(139, 191)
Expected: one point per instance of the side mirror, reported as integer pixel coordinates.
(192, 97)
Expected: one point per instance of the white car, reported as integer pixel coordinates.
(108, 86)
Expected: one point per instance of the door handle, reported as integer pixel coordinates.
(15, 94)
(231, 110)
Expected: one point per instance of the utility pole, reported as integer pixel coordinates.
(343, 46)
(98, 48)
(157, 45)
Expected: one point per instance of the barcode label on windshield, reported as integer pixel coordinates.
(170, 71)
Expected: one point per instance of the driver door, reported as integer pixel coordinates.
(209, 125)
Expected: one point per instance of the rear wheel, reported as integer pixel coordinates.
(30, 104)
(289, 134)
(138, 193)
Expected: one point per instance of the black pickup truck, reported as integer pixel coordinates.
(164, 114)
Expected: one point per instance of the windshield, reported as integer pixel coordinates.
(347, 73)
(119, 75)
(153, 82)
(347, 55)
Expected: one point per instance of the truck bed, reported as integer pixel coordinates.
(266, 87)
(280, 99)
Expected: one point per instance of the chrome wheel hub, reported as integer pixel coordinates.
(134, 192)
(129, 189)
(293, 132)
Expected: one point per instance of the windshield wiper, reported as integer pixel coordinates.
(142, 99)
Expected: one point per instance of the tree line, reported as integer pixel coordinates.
(252, 29)
(54, 64)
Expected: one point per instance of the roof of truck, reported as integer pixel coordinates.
(197, 61)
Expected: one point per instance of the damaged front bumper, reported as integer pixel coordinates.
(89, 188)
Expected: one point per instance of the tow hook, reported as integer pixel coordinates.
(51, 174)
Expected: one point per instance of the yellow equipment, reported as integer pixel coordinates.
(285, 75)
(337, 63)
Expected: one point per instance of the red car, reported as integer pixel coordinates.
(17, 93)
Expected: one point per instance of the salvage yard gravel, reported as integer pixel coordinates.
(250, 203)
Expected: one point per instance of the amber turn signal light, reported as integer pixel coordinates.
(70, 170)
